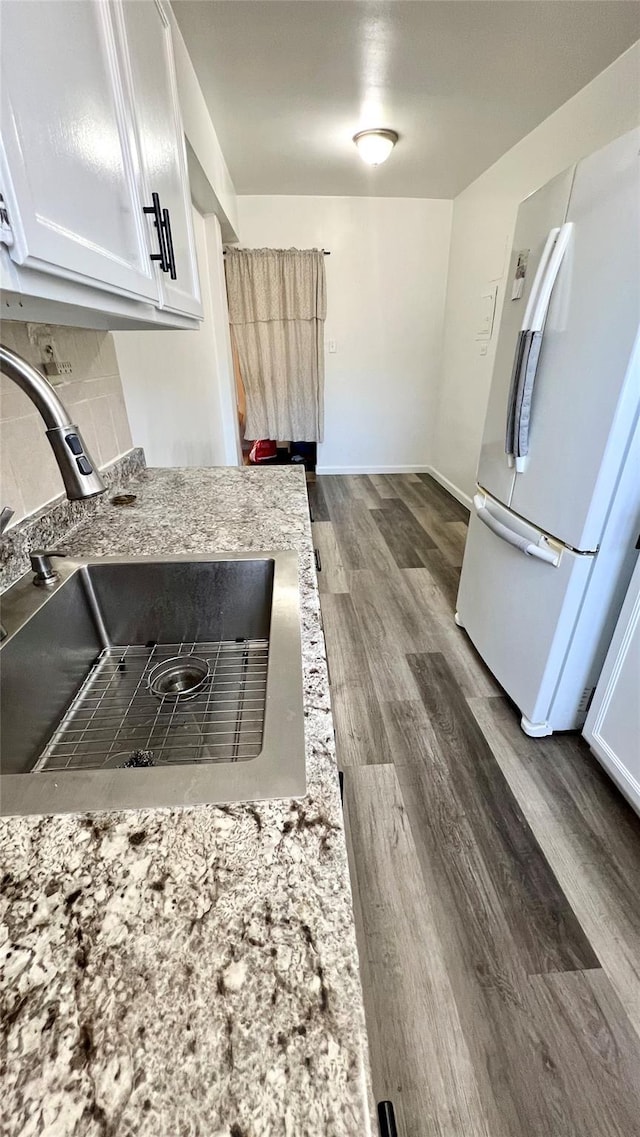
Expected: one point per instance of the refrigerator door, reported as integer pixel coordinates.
(520, 609)
(587, 386)
(541, 213)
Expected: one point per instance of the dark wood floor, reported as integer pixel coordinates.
(496, 878)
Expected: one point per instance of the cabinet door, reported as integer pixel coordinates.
(612, 728)
(149, 50)
(71, 192)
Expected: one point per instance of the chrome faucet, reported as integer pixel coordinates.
(80, 477)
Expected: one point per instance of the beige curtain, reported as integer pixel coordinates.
(277, 308)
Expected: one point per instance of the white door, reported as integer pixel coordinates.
(71, 192)
(537, 216)
(585, 361)
(161, 140)
(612, 728)
(518, 610)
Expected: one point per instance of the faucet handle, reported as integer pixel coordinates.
(5, 518)
(44, 573)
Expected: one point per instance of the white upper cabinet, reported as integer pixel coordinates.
(65, 137)
(151, 74)
(91, 129)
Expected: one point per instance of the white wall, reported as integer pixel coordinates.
(483, 222)
(386, 280)
(179, 386)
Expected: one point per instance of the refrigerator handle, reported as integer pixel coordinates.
(541, 306)
(529, 548)
(549, 247)
(509, 445)
(528, 370)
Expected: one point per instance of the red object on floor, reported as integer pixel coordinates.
(262, 450)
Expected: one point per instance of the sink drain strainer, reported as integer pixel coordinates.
(179, 677)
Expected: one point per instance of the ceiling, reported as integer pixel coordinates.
(288, 83)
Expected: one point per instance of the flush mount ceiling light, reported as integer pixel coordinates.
(375, 146)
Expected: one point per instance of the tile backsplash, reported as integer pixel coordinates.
(92, 393)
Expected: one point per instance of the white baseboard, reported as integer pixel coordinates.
(373, 469)
(454, 490)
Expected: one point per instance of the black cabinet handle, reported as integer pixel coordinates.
(158, 224)
(387, 1119)
(166, 221)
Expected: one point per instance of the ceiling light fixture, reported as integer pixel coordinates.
(375, 146)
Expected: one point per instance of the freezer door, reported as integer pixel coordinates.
(520, 609)
(537, 216)
(587, 386)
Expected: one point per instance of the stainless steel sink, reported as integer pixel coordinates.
(141, 682)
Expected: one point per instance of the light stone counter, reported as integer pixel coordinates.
(189, 972)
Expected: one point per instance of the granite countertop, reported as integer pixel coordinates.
(189, 972)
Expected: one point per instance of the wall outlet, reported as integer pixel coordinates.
(41, 336)
(53, 369)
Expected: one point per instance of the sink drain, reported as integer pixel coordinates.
(180, 677)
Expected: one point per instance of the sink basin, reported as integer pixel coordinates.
(142, 682)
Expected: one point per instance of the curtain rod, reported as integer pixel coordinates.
(327, 252)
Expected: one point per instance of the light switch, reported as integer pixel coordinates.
(486, 313)
(332, 347)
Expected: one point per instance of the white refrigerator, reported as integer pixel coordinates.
(556, 516)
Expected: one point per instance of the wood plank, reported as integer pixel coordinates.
(594, 851)
(332, 577)
(361, 489)
(407, 539)
(383, 633)
(450, 508)
(541, 920)
(337, 495)
(405, 630)
(445, 576)
(384, 485)
(412, 493)
(369, 993)
(449, 850)
(565, 1058)
(317, 503)
(361, 736)
(347, 657)
(471, 894)
(421, 1061)
(461, 528)
(361, 543)
(449, 536)
(480, 956)
(432, 608)
(591, 1055)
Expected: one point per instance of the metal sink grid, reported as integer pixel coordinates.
(115, 714)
